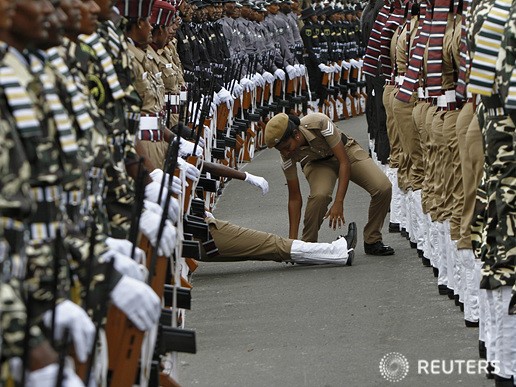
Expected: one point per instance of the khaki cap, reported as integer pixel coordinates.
(275, 129)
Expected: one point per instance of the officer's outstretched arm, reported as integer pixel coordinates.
(336, 211)
(295, 202)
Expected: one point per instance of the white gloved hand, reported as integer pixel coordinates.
(322, 66)
(152, 193)
(354, 63)
(257, 181)
(157, 177)
(258, 80)
(149, 226)
(291, 71)
(216, 99)
(224, 96)
(191, 172)
(125, 247)
(297, 68)
(186, 149)
(338, 68)
(47, 376)
(138, 302)
(345, 65)
(360, 63)
(269, 78)
(247, 84)
(72, 317)
(279, 74)
(302, 67)
(208, 214)
(125, 265)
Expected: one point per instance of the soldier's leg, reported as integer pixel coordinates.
(393, 157)
(366, 174)
(235, 243)
(431, 146)
(321, 177)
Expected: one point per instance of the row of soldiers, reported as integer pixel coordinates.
(93, 101)
(442, 76)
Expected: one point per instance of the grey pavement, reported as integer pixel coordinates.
(272, 324)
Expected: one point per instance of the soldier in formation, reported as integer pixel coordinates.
(448, 69)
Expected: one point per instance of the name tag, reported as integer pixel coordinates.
(168, 66)
(450, 96)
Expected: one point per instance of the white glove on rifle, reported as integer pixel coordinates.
(149, 226)
(279, 74)
(291, 71)
(186, 148)
(72, 317)
(157, 177)
(126, 265)
(302, 68)
(258, 80)
(246, 84)
(298, 70)
(269, 78)
(138, 302)
(223, 96)
(191, 172)
(345, 65)
(125, 247)
(237, 89)
(338, 68)
(354, 63)
(257, 181)
(47, 376)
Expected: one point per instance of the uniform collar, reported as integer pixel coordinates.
(307, 134)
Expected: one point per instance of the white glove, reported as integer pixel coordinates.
(279, 74)
(72, 317)
(258, 80)
(125, 247)
(338, 68)
(298, 70)
(224, 95)
(186, 149)
(360, 63)
(257, 181)
(149, 226)
(138, 302)
(152, 193)
(157, 177)
(269, 78)
(291, 71)
(302, 67)
(47, 376)
(191, 172)
(322, 66)
(125, 265)
(247, 84)
(354, 63)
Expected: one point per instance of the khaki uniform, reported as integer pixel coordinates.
(407, 131)
(150, 87)
(321, 170)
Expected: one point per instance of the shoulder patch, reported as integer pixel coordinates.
(330, 129)
(286, 164)
(308, 32)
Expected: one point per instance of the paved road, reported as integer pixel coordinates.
(271, 324)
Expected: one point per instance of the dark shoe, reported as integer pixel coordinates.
(404, 233)
(490, 369)
(420, 253)
(426, 262)
(436, 272)
(503, 382)
(451, 295)
(482, 351)
(471, 324)
(413, 245)
(351, 237)
(394, 227)
(378, 248)
(351, 257)
(443, 290)
(457, 299)
(461, 306)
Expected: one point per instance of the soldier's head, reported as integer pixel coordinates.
(106, 9)
(229, 8)
(7, 9)
(273, 7)
(30, 23)
(282, 133)
(57, 22)
(295, 6)
(245, 11)
(89, 16)
(285, 6)
(161, 17)
(72, 9)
